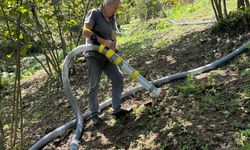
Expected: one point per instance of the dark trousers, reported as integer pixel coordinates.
(95, 68)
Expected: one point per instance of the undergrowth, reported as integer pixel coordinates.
(236, 21)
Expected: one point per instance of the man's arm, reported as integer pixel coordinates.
(87, 32)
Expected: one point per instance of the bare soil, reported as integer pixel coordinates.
(204, 117)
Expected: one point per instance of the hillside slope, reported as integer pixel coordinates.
(207, 111)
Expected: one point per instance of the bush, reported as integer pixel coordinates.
(145, 9)
(176, 3)
(235, 22)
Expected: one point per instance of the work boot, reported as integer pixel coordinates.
(121, 113)
(96, 120)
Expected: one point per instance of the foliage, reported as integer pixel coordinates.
(196, 11)
(190, 87)
(47, 27)
(176, 3)
(234, 21)
(242, 137)
(241, 4)
(145, 9)
(148, 9)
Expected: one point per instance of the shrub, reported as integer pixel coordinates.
(235, 21)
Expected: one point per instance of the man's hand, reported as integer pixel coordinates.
(107, 43)
(113, 45)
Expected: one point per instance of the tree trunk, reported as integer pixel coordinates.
(225, 7)
(2, 138)
(240, 4)
(53, 61)
(62, 39)
(80, 33)
(55, 57)
(13, 101)
(41, 63)
(215, 10)
(47, 61)
(61, 34)
(17, 102)
(247, 3)
(18, 75)
(218, 7)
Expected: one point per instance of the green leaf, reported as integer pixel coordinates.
(6, 33)
(21, 36)
(65, 28)
(247, 45)
(75, 28)
(28, 25)
(23, 10)
(1, 12)
(48, 16)
(60, 18)
(71, 22)
(28, 45)
(10, 2)
(12, 33)
(23, 51)
(10, 55)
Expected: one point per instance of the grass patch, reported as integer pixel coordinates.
(201, 9)
(242, 138)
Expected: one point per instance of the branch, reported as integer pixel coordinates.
(80, 33)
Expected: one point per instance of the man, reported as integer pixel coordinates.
(100, 28)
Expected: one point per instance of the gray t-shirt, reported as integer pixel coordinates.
(101, 27)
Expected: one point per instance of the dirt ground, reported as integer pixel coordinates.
(205, 111)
